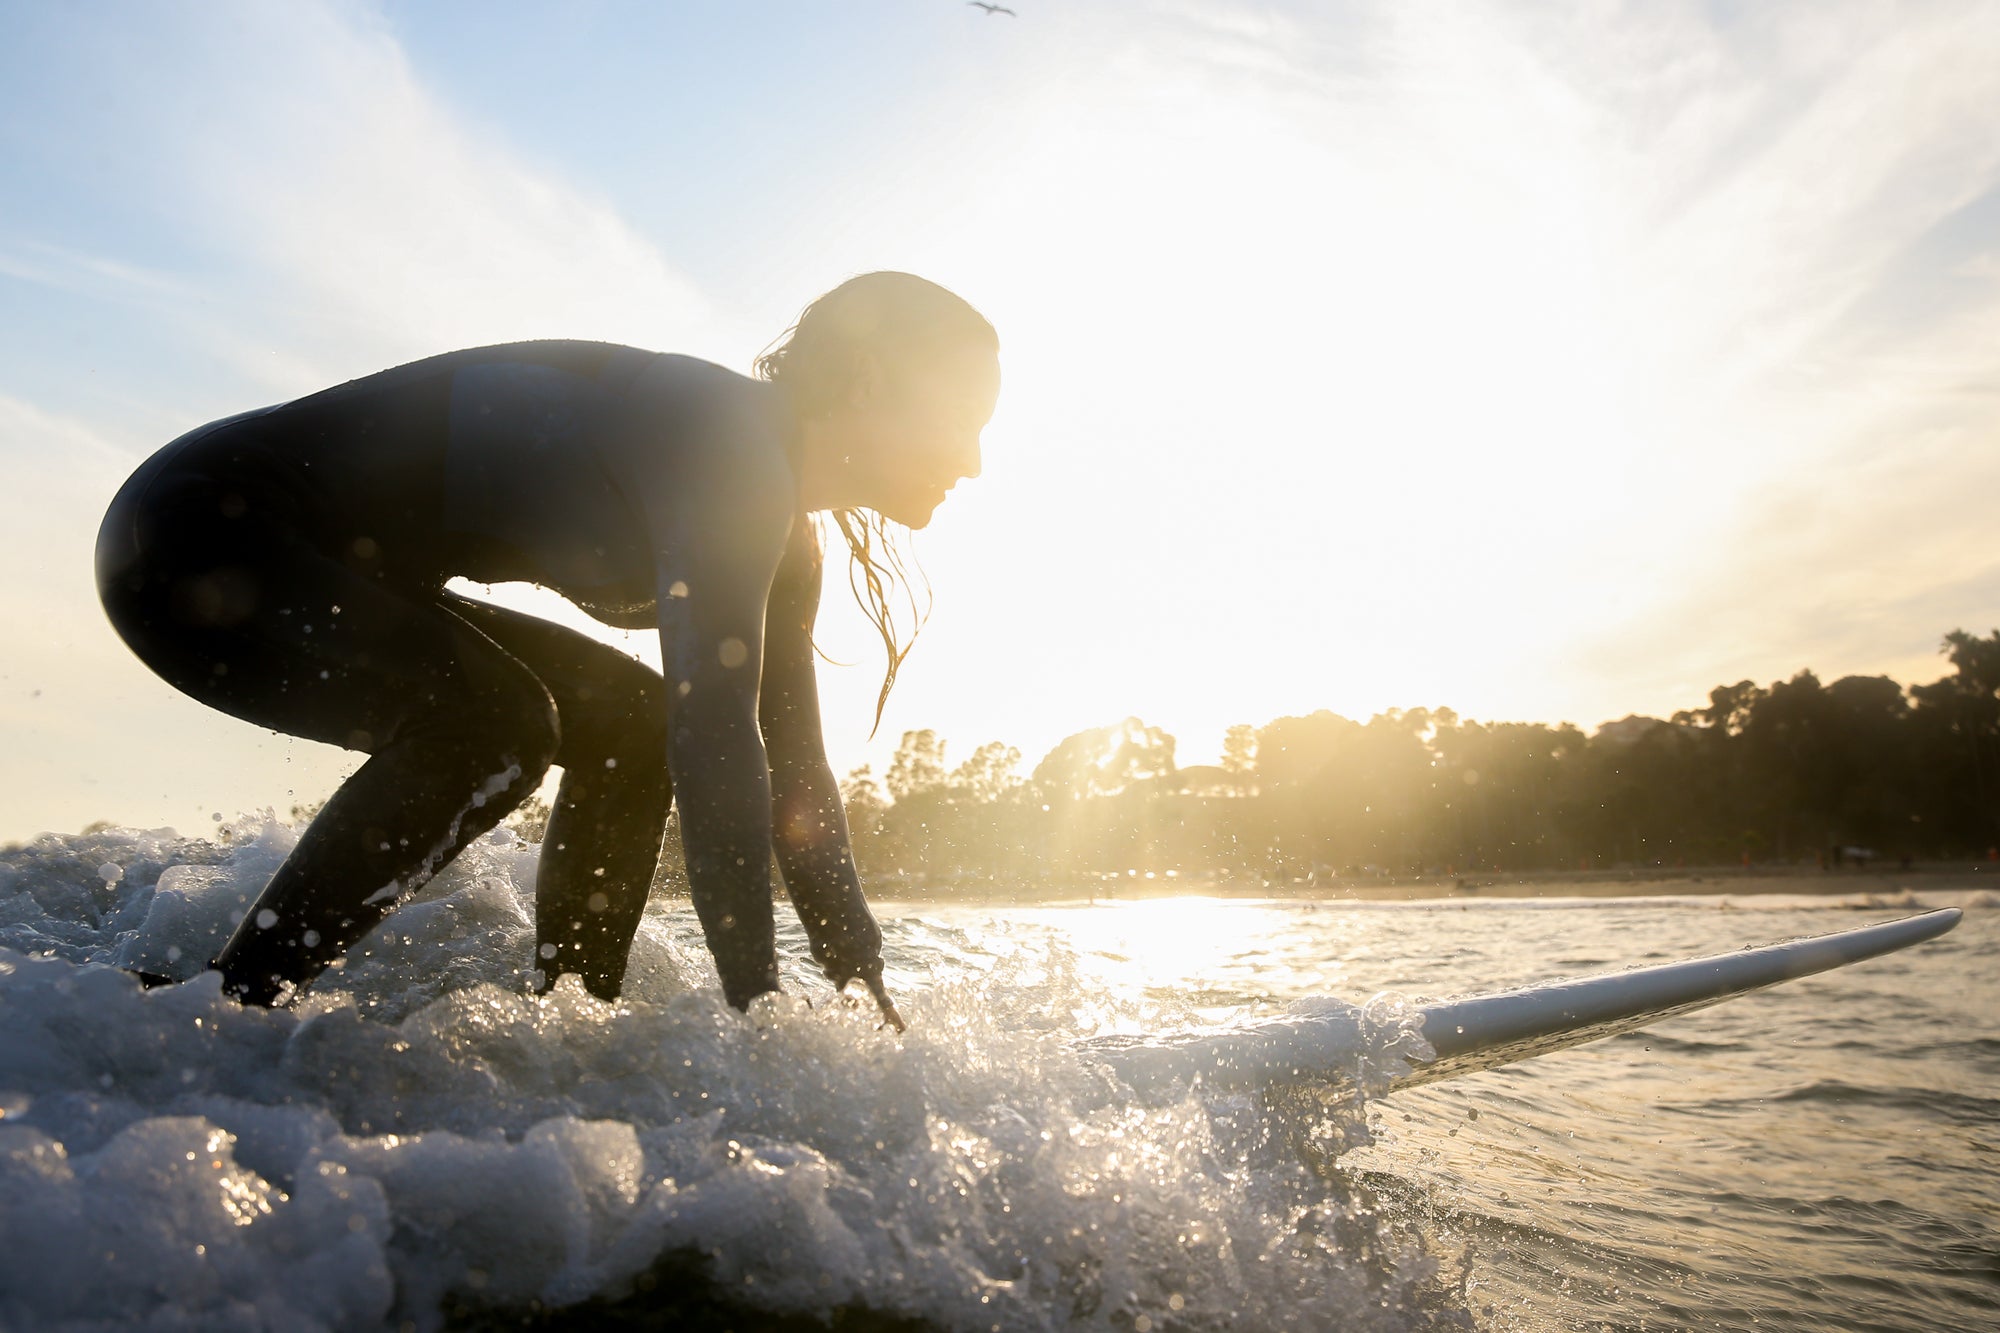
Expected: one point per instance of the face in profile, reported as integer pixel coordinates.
(921, 432)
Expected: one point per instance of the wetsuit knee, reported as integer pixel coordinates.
(522, 722)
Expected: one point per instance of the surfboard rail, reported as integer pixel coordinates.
(1329, 1041)
(1497, 1029)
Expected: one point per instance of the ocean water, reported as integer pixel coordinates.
(419, 1144)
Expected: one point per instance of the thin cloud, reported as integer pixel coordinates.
(1837, 424)
(333, 215)
(293, 207)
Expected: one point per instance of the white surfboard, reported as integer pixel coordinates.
(1327, 1040)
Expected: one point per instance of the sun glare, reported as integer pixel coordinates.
(1360, 386)
(1214, 954)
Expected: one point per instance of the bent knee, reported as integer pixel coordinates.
(541, 732)
(626, 691)
(524, 723)
(624, 720)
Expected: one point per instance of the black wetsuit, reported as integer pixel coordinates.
(287, 566)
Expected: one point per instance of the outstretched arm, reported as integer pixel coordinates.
(718, 495)
(712, 646)
(809, 826)
(718, 534)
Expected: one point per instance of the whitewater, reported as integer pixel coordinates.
(420, 1143)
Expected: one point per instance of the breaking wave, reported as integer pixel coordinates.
(420, 1142)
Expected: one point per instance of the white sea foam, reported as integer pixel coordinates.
(418, 1132)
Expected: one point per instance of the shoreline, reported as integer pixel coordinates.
(1649, 882)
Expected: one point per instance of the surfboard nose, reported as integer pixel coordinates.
(1321, 1040)
(1489, 1030)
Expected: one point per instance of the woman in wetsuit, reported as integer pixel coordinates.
(287, 566)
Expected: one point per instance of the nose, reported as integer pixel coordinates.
(968, 463)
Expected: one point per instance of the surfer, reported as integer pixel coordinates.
(288, 567)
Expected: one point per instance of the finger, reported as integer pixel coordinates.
(888, 1006)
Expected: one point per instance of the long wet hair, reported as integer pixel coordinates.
(907, 325)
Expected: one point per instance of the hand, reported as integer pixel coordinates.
(887, 1005)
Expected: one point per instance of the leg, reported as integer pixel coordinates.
(438, 782)
(248, 618)
(602, 846)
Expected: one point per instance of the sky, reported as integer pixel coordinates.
(1549, 363)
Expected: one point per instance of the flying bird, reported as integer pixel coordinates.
(992, 9)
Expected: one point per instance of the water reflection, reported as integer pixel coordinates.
(1203, 959)
(1813, 1156)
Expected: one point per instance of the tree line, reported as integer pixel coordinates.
(1799, 771)
(1794, 772)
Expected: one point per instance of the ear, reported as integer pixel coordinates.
(864, 386)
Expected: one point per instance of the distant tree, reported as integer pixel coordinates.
(914, 834)
(1239, 757)
(990, 774)
(918, 765)
(863, 799)
(1784, 744)
(1977, 661)
(1957, 726)
(1868, 754)
(1730, 706)
(1496, 794)
(1291, 750)
(1338, 793)
(1102, 800)
(1105, 761)
(1786, 770)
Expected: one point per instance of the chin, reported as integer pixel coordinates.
(913, 516)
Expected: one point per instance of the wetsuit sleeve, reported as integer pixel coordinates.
(717, 537)
(808, 822)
